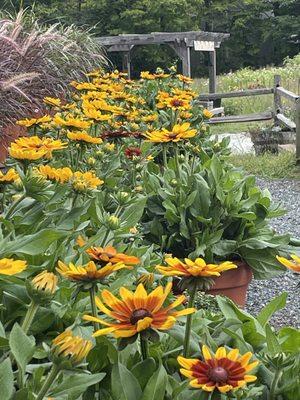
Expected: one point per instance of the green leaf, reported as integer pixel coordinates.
(124, 384)
(156, 387)
(21, 345)
(144, 370)
(6, 379)
(274, 305)
(272, 341)
(289, 339)
(76, 384)
(133, 213)
(31, 244)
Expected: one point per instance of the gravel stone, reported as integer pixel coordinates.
(287, 193)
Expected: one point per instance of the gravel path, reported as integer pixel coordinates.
(286, 192)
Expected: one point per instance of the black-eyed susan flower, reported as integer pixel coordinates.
(70, 348)
(293, 264)
(222, 371)
(60, 175)
(178, 133)
(207, 114)
(71, 122)
(109, 254)
(9, 266)
(34, 148)
(137, 311)
(197, 268)
(52, 101)
(89, 272)
(10, 176)
(83, 136)
(28, 122)
(83, 181)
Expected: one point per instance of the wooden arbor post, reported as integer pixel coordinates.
(183, 51)
(212, 70)
(126, 65)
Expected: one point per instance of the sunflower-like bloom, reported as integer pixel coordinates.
(45, 282)
(222, 371)
(179, 132)
(138, 311)
(197, 268)
(9, 266)
(293, 264)
(83, 136)
(83, 181)
(60, 175)
(89, 272)
(110, 254)
(28, 122)
(184, 79)
(175, 102)
(72, 122)
(207, 114)
(34, 148)
(72, 348)
(147, 75)
(10, 176)
(52, 101)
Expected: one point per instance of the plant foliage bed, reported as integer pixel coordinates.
(118, 209)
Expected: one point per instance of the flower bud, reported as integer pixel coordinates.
(122, 197)
(91, 161)
(113, 222)
(174, 182)
(42, 287)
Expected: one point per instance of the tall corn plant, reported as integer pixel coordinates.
(36, 61)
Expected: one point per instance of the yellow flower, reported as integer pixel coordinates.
(138, 311)
(10, 176)
(110, 254)
(222, 371)
(85, 180)
(207, 114)
(66, 346)
(52, 101)
(92, 113)
(45, 282)
(83, 136)
(175, 102)
(197, 268)
(70, 121)
(34, 148)
(109, 146)
(89, 272)
(34, 121)
(8, 266)
(293, 264)
(184, 79)
(179, 132)
(60, 175)
(147, 75)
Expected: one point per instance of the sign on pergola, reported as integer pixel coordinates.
(181, 43)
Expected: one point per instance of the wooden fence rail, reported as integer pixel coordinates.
(277, 114)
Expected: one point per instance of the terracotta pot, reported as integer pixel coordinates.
(234, 283)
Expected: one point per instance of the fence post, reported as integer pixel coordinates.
(297, 121)
(277, 98)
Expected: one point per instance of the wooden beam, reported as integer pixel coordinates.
(297, 121)
(212, 72)
(287, 94)
(237, 93)
(265, 116)
(286, 121)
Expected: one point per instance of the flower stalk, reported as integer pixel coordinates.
(31, 311)
(144, 347)
(93, 306)
(50, 379)
(274, 384)
(189, 319)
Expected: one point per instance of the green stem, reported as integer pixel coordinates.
(193, 164)
(14, 206)
(165, 159)
(46, 386)
(144, 347)
(31, 311)
(118, 210)
(94, 307)
(189, 318)
(105, 238)
(177, 163)
(274, 384)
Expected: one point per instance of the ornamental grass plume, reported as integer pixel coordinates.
(9, 266)
(293, 264)
(222, 371)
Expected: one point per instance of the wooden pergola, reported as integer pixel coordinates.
(180, 42)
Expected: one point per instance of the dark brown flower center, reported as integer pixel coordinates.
(141, 313)
(218, 374)
(177, 103)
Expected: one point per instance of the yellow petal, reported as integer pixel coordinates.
(233, 354)
(225, 388)
(143, 324)
(220, 353)
(187, 362)
(206, 353)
